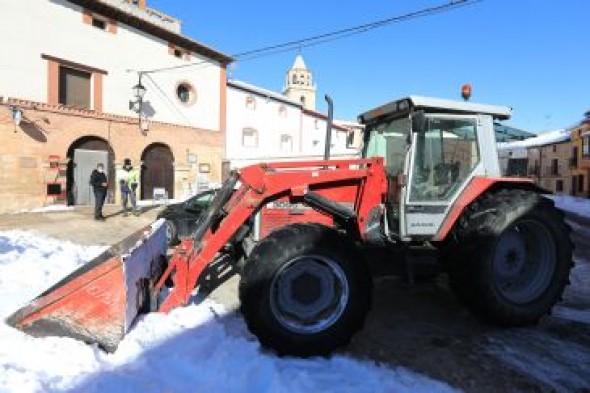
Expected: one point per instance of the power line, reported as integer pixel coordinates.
(330, 36)
(367, 26)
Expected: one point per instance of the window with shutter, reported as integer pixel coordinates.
(74, 87)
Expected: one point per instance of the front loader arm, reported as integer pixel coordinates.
(258, 185)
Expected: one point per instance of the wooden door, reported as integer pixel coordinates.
(157, 171)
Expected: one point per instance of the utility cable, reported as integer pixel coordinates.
(329, 36)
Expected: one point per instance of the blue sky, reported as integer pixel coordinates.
(531, 55)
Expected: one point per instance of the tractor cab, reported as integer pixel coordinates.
(432, 148)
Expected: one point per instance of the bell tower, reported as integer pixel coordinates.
(299, 84)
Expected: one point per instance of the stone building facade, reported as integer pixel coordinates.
(549, 166)
(544, 158)
(580, 158)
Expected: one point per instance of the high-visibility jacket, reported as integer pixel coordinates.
(128, 177)
(133, 176)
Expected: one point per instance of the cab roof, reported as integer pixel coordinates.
(434, 105)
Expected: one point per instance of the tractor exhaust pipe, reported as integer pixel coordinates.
(329, 127)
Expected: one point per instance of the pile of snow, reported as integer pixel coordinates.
(545, 138)
(571, 204)
(195, 348)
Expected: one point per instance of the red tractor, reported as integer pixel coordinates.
(429, 176)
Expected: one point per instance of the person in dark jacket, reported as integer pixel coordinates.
(98, 181)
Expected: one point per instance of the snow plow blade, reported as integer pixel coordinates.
(98, 302)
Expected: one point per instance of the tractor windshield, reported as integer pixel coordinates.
(390, 141)
(445, 153)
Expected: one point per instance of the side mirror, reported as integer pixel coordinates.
(418, 121)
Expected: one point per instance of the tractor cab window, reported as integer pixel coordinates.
(390, 141)
(444, 156)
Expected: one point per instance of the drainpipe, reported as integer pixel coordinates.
(329, 127)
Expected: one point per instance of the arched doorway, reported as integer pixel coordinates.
(157, 170)
(84, 153)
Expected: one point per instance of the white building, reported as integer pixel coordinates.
(69, 67)
(266, 126)
(53, 37)
(263, 125)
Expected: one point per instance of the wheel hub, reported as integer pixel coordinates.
(310, 294)
(306, 288)
(523, 262)
(512, 256)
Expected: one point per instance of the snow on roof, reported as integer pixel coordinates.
(545, 138)
(261, 91)
(349, 124)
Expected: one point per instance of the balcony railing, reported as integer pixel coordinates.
(573, 161)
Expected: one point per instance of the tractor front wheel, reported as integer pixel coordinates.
(511, 258)
(304, 290)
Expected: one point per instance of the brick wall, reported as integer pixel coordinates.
(50, 130)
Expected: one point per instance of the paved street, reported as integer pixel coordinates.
(422, 326)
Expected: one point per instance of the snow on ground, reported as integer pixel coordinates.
(49, 208)
(561, 364)
(151, 202)
(195, 348)
(570, 204)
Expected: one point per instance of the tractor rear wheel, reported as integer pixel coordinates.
(511, 257)
(304, 290)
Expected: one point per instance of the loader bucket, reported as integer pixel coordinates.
(98, 302)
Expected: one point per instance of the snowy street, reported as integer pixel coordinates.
(416, 339)
(426, 329)
(198, 348)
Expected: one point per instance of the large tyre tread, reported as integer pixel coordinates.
(280, 246)
(474, 237)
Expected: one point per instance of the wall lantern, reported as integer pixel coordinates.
(136, 106)
(139, 90)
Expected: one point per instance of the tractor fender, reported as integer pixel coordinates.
(476, 188)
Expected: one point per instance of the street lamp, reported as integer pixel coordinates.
(139, 90)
